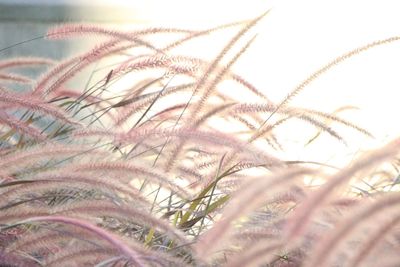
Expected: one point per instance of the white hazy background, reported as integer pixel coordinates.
(295, 39)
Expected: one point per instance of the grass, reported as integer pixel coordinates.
(150, 176)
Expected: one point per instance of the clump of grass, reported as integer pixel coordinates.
(94, 178)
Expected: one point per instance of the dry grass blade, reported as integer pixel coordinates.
(299, 221)
(373, 241)
(10, 259)
(126, 168)
(21, 127)
(25, 62)
(249, 197)
(134, 256)
(329, 245)
(87, 256)
(14, 78)
(66, 30)
(254, 256)
(31, 103)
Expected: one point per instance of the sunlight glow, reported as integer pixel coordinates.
(295, 39)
